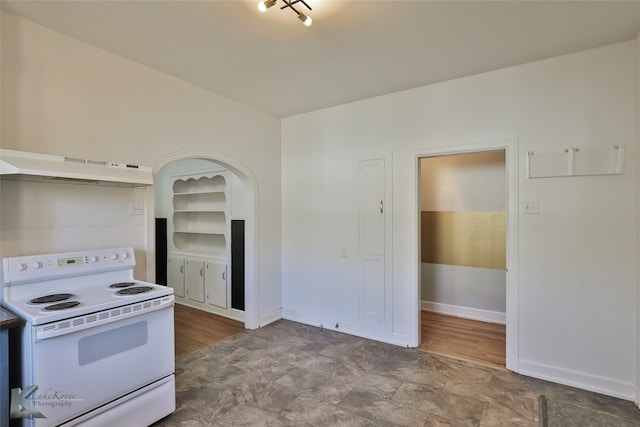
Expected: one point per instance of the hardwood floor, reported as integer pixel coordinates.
(197, 329)
(470, 340)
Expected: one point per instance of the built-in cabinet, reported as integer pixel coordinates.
(199, 242)
(215, 284)
(197, 280)
(175, 275)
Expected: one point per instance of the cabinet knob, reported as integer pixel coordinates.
(202, 272)
(224, 275)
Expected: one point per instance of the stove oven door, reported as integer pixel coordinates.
(81, 371)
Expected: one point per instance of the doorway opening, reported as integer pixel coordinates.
(463, 220)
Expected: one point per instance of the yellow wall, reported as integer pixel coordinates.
(472, 239)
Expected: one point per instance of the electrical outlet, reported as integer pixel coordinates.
(136, 208)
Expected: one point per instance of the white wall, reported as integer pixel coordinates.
(38, 217)
(577, 275)
(62, 96)
(463, 182)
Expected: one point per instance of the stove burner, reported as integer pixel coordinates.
(122, 285)
(61, 306)
(133, 291)
(51, 298)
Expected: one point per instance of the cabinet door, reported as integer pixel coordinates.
(175, 275)
(215, 283)
(194, 279)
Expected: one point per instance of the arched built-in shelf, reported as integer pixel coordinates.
(199, 249)
(200, 214)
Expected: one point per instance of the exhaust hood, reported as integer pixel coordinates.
(22, 165)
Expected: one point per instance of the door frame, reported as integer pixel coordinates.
(252, 318)
(510, 146)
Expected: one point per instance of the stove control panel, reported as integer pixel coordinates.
(33, 268)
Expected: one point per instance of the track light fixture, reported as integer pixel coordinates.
(306, 20)
(264, 5)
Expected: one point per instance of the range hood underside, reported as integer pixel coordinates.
(26, 166)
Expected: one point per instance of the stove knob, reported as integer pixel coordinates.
(21, 266)
(125, 255)
(36, 264)
(114, 257)
(93, 258)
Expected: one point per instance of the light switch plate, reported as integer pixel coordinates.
(136, 208)
(530, 207)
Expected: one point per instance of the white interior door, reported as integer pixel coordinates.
(371, 185)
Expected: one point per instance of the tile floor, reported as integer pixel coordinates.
(289, 374)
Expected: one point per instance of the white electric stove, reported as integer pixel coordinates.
(98, 345)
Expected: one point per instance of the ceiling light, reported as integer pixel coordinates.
(306, 20)
(264, 5)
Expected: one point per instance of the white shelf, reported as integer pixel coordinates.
(200, 221)
(198, 201)
(198, 231)
(576, 161)
(199, 210)
(189, 193)
(215, 182)
(200, 243)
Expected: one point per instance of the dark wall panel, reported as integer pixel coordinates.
(161, 251)
(237, 264)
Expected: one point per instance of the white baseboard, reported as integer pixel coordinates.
(268, 318)
(340, 326)
(310, 319)
(465, 312)
(598, 384)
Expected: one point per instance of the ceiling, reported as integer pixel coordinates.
(354, 49)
